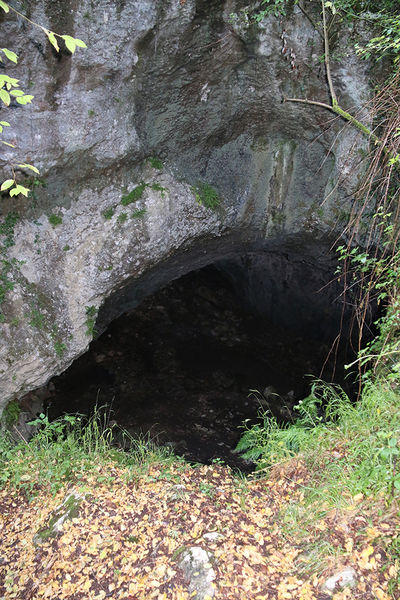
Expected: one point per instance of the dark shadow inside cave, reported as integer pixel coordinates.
(182, 364)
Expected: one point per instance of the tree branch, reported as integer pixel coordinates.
(327, 63)
(338, 110)
(305, 13)
(342, 113)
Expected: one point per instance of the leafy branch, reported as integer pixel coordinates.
(70, 42)
(10, 90)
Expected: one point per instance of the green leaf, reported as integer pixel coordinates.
(331, 6)
(5, 97)
(10, 55)
(25, 99)
(4, 6)
(10, 80)
(28, 166)
(7, 143)
(7, 184)
(19, 189)
(69, 42)
(17, 93)
(5, 123)
(80, 43)
(53, 40)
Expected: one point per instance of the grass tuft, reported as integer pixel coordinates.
(207, 196)
(350, 448)
(71, 447)
(134, 195)
(156, 163)
(55, 220)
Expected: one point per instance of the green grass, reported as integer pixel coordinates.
(122, 218)
(91, 314)
(156, 163)
(158, 188)
(69, 448)
(138, 214)
(134, 195)
(347, 456)
(55, 220)
(108, 213)
(206, 195)
(351, 448)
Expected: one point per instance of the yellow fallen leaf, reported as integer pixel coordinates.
(87, 585)
(349, 544)
(367, 552)
(393, 571)
(372, 532)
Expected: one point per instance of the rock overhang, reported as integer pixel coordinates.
(187, 86)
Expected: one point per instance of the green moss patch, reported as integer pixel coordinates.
(134, 195)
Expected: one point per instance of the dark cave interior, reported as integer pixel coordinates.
(196, 359)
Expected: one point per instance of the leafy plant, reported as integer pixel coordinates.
(108, 213)
(387, 44)
(10, 91)
(138, 214)
(206, 195)
(134, 195)
(91, 314)
(11, 413)
(156, 163)
(276, 8)
(55, 220)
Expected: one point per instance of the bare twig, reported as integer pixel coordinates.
(20, 435)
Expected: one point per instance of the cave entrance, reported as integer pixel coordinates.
(182, 364)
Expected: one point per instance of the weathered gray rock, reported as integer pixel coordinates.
(198, 572)
(201, 90)
(345, 578)
(68, 509)
(213, 536)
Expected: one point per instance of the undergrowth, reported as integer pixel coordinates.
(349, 448)
(69, 448)
(348, 457)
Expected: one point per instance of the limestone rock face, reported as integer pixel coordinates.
(169, 98)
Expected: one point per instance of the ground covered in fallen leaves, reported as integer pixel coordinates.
(128, 535)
